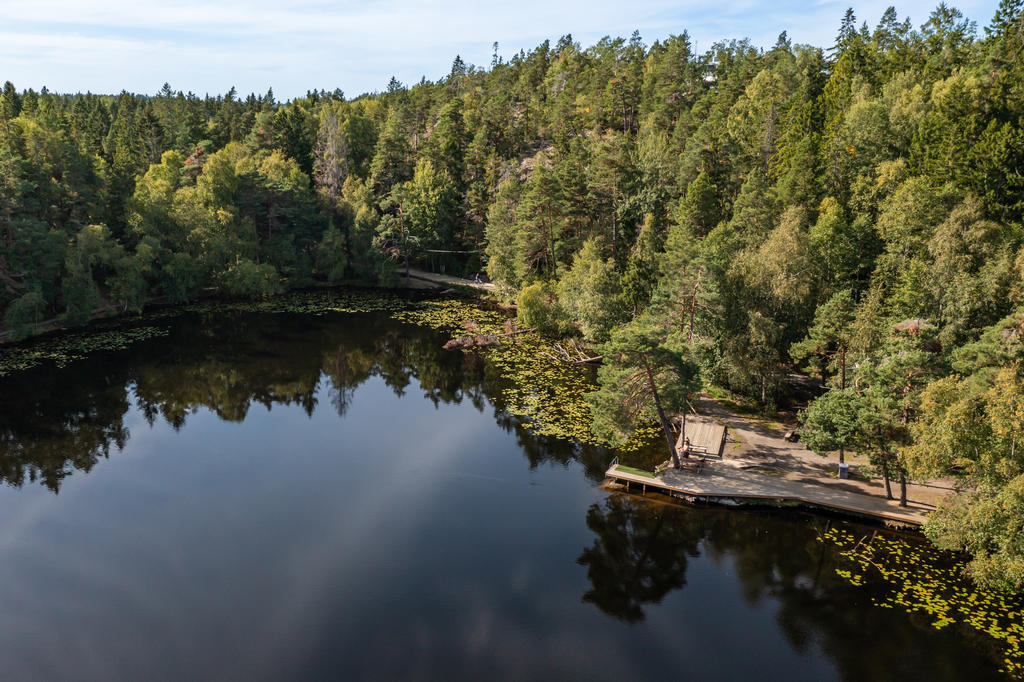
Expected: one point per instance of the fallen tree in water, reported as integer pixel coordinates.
(477, 340)
(573, 353)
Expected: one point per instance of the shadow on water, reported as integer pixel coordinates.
(637, 558)
(643, 548)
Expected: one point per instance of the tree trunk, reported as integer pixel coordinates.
(842, 385)
(615, 235)
(666, 429)
(551, 251)
(693, 308)
(683, 314)
(905, 420)
(885, 477)
(682, 430)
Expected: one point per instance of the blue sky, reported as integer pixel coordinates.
(207, 46)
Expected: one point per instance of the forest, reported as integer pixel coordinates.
(728, 218)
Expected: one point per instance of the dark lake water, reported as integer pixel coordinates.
(283, 497)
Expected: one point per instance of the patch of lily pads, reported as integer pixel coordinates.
(547, 395)
(64, 350)
(316, 303)
(921, 579)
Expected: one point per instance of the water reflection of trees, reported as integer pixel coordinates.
(637, 558)
(54, 422)
(48, 430)
(642, 550)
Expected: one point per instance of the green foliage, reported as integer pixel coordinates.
(539, 223)
(638, 280)
(390, 165)
(130, 284)
(970, 427)
(81, 298)
(829, 338)
(889, 392)
(330, 255)
(504, 266)
(986, 524)
(537, 306)
(832, 421)
(842, 251)
(763, 207)
(419, 214)
(249, 279)
(181, 278)
(642, 378)
(446, 146)
(24, 313)
(589, 293)
(699, 209)
(361, 218)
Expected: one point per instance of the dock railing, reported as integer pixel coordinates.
(615, 462)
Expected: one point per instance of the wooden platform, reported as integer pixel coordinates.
(722, 482)
(706, 435)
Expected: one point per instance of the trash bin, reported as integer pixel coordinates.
(844, 470)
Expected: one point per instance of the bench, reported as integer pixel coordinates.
(694, 464)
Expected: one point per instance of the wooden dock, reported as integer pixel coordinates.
(707, 436)
(724, 482)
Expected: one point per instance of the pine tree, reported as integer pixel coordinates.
(391, 165)
(539, 215)
(641, 379)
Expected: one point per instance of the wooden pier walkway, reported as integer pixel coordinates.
(730, 482)
(755, 464)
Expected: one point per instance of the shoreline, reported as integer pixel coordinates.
(417, 280)
(756, 465)
(699, 492)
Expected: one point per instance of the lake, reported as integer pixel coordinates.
(287, 496)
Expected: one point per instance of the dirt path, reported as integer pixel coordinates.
(447, 280)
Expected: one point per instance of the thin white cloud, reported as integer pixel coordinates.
(206, 47)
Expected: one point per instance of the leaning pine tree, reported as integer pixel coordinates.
(641, 376)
